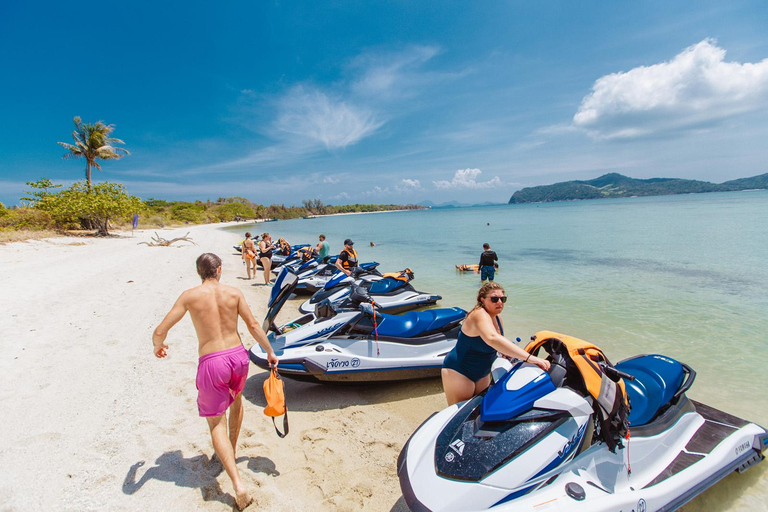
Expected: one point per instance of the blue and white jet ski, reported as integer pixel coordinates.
(279, 257)
(541, 441)
(329, 276)
(357, 345)
(391, 294)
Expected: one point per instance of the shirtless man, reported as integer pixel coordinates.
(223, 366)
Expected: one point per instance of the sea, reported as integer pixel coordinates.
(685, 276)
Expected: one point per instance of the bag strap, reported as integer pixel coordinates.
(285, 425)
(285, 416)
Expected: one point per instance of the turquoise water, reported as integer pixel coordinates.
(685, 276)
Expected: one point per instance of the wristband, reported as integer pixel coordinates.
(527, 358)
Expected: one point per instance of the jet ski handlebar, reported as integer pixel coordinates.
(615, 374)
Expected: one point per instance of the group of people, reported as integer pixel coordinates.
(223, 361)
(250, 251)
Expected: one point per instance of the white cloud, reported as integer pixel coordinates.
(311, 113)
(697, 87)
(406, 186)
(342, 196)
(377, 191)
(331, 180)
(392, 73)
(466, 179)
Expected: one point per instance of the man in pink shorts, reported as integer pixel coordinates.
(223, 366)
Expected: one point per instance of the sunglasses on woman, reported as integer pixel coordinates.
(495, 299)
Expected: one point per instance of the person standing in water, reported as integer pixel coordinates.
(487, 266)
(223, 365)
(467, 368)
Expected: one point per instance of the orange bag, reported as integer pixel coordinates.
(275, 395)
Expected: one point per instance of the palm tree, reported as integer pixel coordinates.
(92, 141)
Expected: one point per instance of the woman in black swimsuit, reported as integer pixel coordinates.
(265, 256)
(466, 369)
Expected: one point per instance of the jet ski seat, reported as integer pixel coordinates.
(657, 379)
(386, 285)
(414, 323)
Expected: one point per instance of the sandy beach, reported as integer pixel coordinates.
(94, 421)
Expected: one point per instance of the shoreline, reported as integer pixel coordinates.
(117, 427)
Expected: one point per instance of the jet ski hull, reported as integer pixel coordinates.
(360, 360)
(664, 464)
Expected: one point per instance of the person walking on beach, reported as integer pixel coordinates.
(347, 259)
(248, 252)
(265, 256)
(223, 365)
(467, 368)
(487, 267)
(322, 248)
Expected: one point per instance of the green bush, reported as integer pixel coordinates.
(93, 207)
(3, 210)
(228, 211)
(188, 212)
(26, 218)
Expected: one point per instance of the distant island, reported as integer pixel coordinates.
(617, 185)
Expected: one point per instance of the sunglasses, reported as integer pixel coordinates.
(495, 299)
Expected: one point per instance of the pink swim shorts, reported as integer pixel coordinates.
(221, 377)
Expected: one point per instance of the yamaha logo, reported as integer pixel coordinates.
(449, 457)
(458, 446)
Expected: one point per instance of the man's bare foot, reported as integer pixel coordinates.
(243, 499)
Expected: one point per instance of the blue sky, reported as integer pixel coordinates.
(383, 101)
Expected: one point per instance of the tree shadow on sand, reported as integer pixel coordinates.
(312, 397)
(198, 472)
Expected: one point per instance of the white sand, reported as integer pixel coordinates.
(93, 421)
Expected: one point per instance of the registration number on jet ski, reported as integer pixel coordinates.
(334, 364)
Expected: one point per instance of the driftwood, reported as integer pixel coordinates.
(162, 242)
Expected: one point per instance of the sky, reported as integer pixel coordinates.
(383, 101)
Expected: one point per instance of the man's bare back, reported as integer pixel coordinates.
(214, 308)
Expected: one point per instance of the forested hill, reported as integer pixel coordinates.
(617, 185)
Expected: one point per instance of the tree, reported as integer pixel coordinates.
(42, 191)
(92, 142)
(97, 205)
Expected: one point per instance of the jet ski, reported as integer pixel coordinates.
(393, 293)
(562, 440)
(357, 345)
(286, 254)
(329, 276)
(304, 268)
